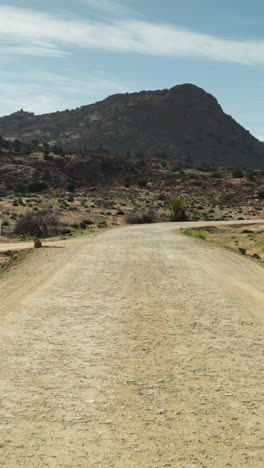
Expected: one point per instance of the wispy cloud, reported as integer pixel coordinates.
(112, 7)
(43, 92)
(25, 31)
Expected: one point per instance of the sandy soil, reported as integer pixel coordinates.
(135, 347)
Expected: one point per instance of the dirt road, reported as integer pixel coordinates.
(137, 347)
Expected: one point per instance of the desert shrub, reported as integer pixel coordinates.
(261, 194)
(177, 209)
(46, 156)
(250, 175)
(59, 162)
(128, 181)
(227, 197)
(216, 175)
(56, 149)
(146, 217)
(56, 181)
(20, 187)
(37, 186)
(102, 224)
(142, 183)
(64, 231)
(162, 197)
(71, 187)
(88, 222)
(42, 223)
(237, 173)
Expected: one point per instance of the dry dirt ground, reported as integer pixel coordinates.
(135, 347)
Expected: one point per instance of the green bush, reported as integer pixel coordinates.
(177, 209)
(198, 234)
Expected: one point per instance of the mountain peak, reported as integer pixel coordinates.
(182, 120)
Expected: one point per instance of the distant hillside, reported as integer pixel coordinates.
(181, 121)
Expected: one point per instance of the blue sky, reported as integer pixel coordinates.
(67, 53)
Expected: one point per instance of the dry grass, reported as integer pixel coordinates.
(248, 238)
(11, 258)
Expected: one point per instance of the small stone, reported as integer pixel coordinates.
(255, 255)
(160, 411)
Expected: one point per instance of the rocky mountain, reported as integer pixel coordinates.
(181, 121)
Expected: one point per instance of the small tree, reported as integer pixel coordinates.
(37, 224)
(177, 209)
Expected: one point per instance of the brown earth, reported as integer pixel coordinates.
(132, 348)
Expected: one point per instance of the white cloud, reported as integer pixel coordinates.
(26, 31)
(32, 50)
(113, 7)
(43, 92)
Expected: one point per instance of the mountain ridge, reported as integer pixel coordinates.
(184, 120)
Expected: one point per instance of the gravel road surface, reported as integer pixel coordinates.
(137, 347)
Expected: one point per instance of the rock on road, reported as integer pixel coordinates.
(137, 347)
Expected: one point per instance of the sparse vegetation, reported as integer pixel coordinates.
(105, 188)
(247, 241)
